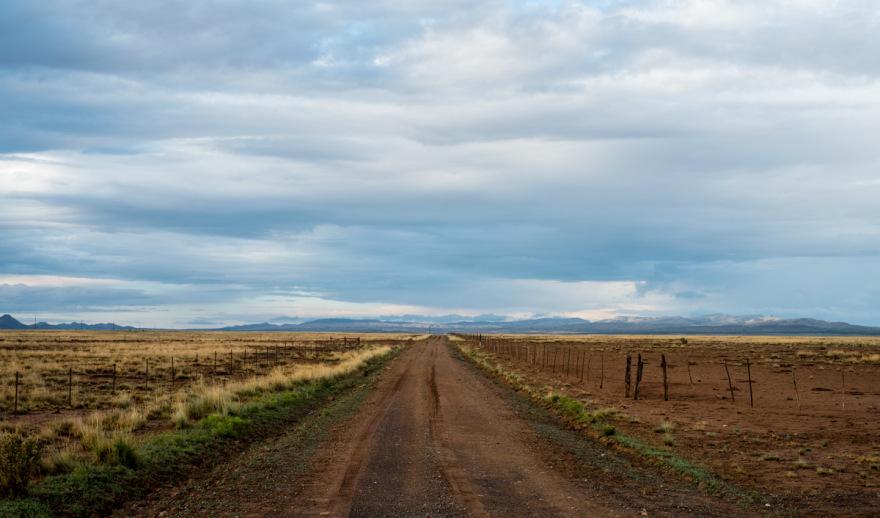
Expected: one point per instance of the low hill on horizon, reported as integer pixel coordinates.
(716, 324)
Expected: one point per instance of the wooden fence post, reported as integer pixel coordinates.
(172, 372)
(627, 379)
(729, 383)
(584, 357)
(665, 378)
(15, 401)
(113, 390)
(639, 365)
(70, 386)
(147, 373)
(797, 396)
(843, 388)
(691, 379)
(749, 374)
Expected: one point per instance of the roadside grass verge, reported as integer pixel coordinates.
(206, 435)
(599, 423)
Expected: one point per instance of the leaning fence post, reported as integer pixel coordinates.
(729, 383)
(797, 396)
(665, 379)
(627, 379)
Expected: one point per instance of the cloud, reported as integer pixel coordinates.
(508, 157)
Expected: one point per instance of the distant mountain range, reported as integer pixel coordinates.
(705, 325)
(8, 322)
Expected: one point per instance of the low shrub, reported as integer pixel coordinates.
(19, 460)
(224, 426)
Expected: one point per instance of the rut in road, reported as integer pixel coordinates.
(438, 442)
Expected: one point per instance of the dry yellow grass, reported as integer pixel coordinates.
(44, 358)
(96, 432)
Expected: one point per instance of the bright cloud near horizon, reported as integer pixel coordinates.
(190, 163)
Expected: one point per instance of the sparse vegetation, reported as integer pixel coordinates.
(108, 448)
(19, 460)
(802, 386)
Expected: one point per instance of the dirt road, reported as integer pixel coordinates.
(434, 438)
(440, 442)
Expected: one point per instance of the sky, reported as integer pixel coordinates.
(194, 164)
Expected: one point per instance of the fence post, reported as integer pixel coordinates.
(665, 379)
(582, 366)
(691, 379)
(627, 379)
(797, 396)
(113, 390)
(729, 383)
(70, 386)
(146, 373)
(639, 365)
(749, 374)
(15, 403)
(172, 372)
(602, 371)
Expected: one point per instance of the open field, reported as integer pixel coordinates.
(75, 370)
(116, 405)
(807, 430)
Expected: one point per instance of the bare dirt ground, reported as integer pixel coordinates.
(432, 437)
(817, 449)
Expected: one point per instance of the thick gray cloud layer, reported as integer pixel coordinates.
(592, 158)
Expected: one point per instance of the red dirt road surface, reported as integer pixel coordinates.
(434, 438)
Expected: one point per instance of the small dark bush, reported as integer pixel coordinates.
(19, 459)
